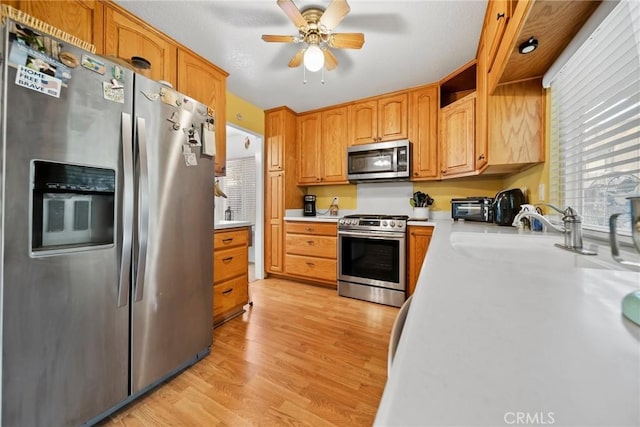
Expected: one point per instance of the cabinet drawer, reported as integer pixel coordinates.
(229, 263)
(312, 268)
(229, 295)
(315, 246)
(315, 228)
(227, 239)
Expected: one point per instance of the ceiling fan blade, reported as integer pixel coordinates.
(280, 39)
(346, 40)
(297, 58)
(292, 12)
(334, 14)
(330, 61)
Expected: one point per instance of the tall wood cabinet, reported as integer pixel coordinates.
(203, 81)
(322, 147)
(384, 118)
(80, 18)
(281, 190)
(423, 132)
(127, 36)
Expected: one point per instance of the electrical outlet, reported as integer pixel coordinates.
(335, 200)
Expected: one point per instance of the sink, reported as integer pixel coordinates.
(528, 250)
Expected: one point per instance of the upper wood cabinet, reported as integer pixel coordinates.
(496, 19)
(457, 136)
(204, 82)
(380, 119)
(322, 147)
(80, 18)
(334, 145)
(127, 36)
(423, 132)
(482, 148)
(309, 148)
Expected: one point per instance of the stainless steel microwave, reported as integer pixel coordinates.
(387, 161)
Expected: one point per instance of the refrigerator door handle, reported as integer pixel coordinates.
(127, 211)
(143, 204)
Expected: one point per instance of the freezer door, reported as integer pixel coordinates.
(173, 292)
(65, 314)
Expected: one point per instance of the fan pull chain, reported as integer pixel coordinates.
(322, 80)
(304, 75)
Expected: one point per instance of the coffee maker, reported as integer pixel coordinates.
(309, 205)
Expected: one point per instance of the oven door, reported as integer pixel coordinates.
(374, 259)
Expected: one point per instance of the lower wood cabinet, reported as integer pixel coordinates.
(419, 239)
(311, 251)
(230, 273)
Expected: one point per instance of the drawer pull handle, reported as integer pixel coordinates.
(310, 264)
(227, 259)
(310, 242)
(499, 15)
(229, 240)
(227, 292)
(308, 230)
(481, 157)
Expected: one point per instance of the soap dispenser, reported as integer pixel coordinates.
(227, 214)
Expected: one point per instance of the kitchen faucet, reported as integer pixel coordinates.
(571, 229)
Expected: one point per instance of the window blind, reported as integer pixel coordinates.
(240, 187)
(595, 122)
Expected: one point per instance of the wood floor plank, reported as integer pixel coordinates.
(301, 356)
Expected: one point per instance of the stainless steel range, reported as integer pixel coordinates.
(371, 258)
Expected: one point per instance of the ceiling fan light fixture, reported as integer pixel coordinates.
(528, 46)
(313, 58)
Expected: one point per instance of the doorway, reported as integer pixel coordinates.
(244, 187)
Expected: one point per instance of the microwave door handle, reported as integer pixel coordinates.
(143, 208)
(395, 161)
(127, 211)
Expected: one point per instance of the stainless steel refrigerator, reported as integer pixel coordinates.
(106, 250)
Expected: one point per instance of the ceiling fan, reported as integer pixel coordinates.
(315, 27)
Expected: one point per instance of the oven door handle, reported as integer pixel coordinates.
(369, 235)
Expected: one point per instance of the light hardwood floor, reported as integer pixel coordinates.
(301, 355)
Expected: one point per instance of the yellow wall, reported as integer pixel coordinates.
(443, 191)
(244, 114)
(346, 193)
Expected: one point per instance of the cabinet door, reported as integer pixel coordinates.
(334, 145)
(126, 36)
(274, 140)
(206, 83)
(364, 122)
(423, 132)
(482, 146)
(392, 117)
(457, 136)
(309, 137)
(498, 14)
(419, 239)
(274, 211)
(80, 18)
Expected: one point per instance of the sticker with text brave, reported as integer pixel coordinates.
(40, 82)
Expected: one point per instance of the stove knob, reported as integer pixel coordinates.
(392, 223)
(400, 224)
(384, 223)
(341, 221)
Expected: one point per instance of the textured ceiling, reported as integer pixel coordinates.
(407, 43)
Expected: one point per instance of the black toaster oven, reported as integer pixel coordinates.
(472, 209)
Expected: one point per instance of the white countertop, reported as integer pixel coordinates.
(222, 225)
(487, 342)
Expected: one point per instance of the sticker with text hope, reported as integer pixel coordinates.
(37, 81)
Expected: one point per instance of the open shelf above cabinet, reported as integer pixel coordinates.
(458, 84)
